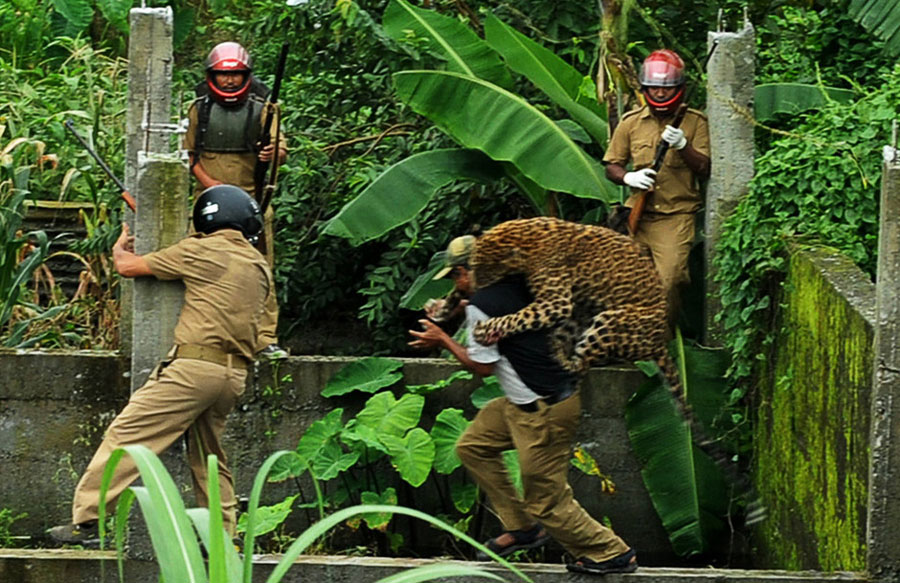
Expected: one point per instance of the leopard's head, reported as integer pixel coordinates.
(494, 259)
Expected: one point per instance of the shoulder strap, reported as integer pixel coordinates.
(202, 125)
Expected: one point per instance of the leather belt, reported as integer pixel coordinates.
(210, 354)
(558, 397)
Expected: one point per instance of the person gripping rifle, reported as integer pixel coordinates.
(263, 178)
(665, 185)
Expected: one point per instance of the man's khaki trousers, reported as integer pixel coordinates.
(188, 395)
(543, 440)
(669, 238)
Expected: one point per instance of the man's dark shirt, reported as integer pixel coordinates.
(528, 352)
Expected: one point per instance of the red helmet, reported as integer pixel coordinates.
(228, 57)
(663, 68)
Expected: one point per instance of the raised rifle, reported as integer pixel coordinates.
(634, 217)
(265, 187)
(126, 196)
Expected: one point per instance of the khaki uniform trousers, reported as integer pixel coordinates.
(669, 238)
(188, 395)
(543, 440)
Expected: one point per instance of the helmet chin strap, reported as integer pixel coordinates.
(664, 106)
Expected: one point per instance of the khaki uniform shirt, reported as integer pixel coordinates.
(227, 282)
(229, 167)
(635, 140)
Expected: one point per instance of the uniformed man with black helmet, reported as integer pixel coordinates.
(224, 127)
(227, 284)
(667, 224)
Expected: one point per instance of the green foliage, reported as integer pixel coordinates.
(178, 553)
(351, 457)
(7, 519)
(820, 185)
(687, 488)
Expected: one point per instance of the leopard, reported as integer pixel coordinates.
(598, 294)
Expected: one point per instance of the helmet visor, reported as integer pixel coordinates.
(659, 73)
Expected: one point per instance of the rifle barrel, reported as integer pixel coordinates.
(126, 196)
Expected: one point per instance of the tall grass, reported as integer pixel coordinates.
(174, 530)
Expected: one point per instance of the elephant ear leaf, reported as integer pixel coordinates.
(449, 38)
(507, 128)
(557, 79)
(403, 190)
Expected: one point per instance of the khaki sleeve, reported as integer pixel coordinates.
(276, 128)
(173, 262)
(619, 149)
(189, 136)
(700, 135)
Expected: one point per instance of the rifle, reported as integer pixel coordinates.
(634, 217)
(126, 196)
(264, 188)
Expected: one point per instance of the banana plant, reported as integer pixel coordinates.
(881, 18)
(172, 528)
(687, 488)
(500, 133)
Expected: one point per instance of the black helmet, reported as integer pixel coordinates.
(227, 207)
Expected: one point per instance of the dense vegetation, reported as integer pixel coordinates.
(816, 173)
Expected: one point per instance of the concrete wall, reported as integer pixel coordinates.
(812, 435)
(53, 409)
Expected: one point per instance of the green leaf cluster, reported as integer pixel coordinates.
(174, 530)
(820, 184)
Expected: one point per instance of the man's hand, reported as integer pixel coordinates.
(674, 137)
(644, 178)
(266, 154)
(125, 242)
(432, 336)
(128, 264)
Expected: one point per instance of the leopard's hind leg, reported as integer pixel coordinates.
(623, 334)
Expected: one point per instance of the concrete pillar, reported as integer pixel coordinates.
(161, 220)
(149, 106)
(730, 81)
(884, 467)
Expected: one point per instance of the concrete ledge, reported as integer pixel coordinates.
(23, 566)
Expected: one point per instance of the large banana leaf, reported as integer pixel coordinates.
(686, 487)
(881, 18)
(403, 190)
(774, 98)
(464, 51)
(483, 116)
(560, 81)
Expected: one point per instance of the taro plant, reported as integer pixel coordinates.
(351, 457)
(174, 530)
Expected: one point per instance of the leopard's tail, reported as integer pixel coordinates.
(755, 511)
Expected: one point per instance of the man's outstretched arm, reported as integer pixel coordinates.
(433, 336)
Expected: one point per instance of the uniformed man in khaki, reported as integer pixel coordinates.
(667, 224)
(224, 128)
(227, 283)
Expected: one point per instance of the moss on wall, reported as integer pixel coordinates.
(811, 438)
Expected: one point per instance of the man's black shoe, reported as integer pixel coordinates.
(624, 563)
(85, 533)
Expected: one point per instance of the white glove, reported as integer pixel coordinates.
(675, 137)
(890, 154)
(644, 178)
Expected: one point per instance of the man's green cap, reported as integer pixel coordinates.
(457, 253)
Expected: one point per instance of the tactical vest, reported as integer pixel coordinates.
(228, 129)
